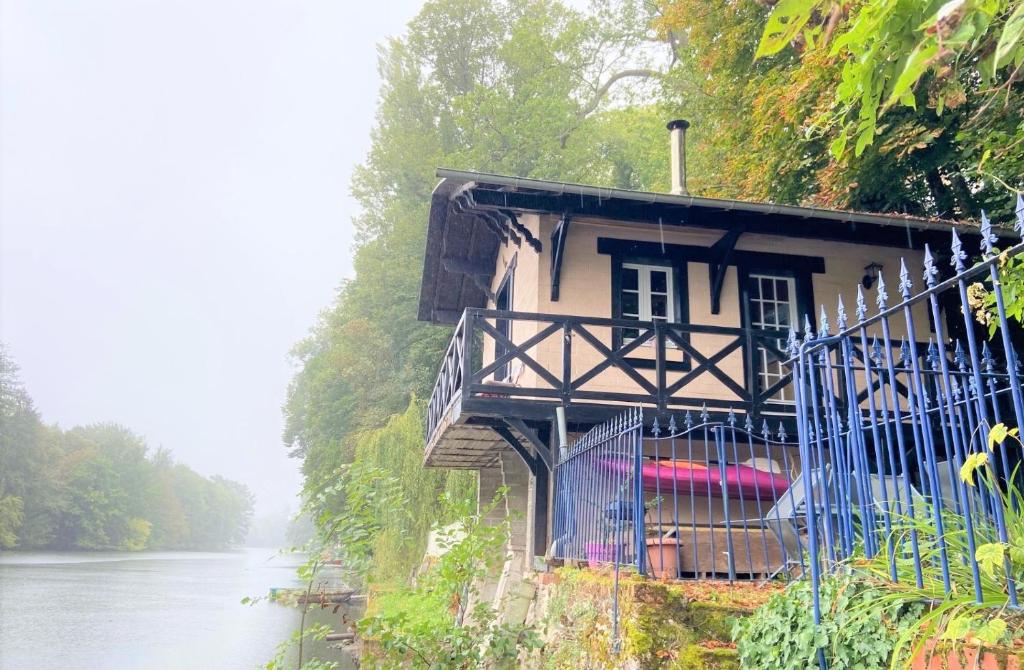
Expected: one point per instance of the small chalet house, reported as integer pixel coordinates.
(595, 299)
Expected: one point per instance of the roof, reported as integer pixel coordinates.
(472, 212)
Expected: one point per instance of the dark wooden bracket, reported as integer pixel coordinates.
(530, 434)
(523, 230)
(721, 254)
(558, 236)
(533, 463)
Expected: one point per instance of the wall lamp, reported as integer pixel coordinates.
(871, 272)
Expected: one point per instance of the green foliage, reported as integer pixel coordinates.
(889, 46)
(428, 626)
(958, 615)
(11, 515)
(859, 629)
(536, 97)
(280, 661)
(880, 105)
(98, 487)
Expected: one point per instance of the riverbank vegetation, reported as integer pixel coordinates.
(101, 487)
(784, 108)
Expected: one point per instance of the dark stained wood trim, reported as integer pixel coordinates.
(700, 216)
(762, 259)
(558, 237)
(538, 444)
(722, 251)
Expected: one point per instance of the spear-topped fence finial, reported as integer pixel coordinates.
(876, 351)
(766, 431)
(655, 428)
(840, 314)
(704, 416)
(933, 355)
(882, 297)
(986, 357)
(862, 308)
(931, 273)
(959, 256)
(672, 424)
(808, 330)
(988, 238)
(960, 357)
(1019, 211)
(688, 420)
(823, 322)
(748, 423)
(731, 418)
(904, 352)
(782, 432)
(793, 342)
(905, 284)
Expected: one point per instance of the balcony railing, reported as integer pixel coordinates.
(560, 359)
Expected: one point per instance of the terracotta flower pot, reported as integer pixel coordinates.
(937, 656)
(663, 557)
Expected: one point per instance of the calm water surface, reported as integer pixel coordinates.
(153, 610)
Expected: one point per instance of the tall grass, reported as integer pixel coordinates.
(957, 616)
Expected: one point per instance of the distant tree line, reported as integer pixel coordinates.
(101, 487)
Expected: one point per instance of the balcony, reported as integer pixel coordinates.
(522, 365)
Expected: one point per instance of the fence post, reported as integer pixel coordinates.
(639, 517)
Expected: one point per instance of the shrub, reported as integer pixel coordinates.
(860, 627)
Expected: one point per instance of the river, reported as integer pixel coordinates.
(151, 610)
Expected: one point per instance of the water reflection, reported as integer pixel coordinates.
(151, 610)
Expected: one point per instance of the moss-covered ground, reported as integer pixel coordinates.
(669, 625)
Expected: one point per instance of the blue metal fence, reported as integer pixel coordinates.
(886, 425)
(887, 411)
(693, 500)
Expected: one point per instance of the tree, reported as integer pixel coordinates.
(526, 88)
(97, 487)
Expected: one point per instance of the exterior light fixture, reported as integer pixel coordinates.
(871, 272)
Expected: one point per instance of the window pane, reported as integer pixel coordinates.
(768, 312)
(630, 279)
(659, 305)
(659, 281)
(782, 290)
(630, 304)
(630, 333)
(767, 288)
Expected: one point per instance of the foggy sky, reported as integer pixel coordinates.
(174, 209)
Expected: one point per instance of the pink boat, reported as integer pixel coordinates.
(684, 477)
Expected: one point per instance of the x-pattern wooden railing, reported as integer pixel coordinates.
(654, 378)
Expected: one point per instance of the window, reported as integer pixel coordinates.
(773, 306)
(503, 302)
(647, 294)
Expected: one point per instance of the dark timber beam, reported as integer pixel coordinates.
(701, 216)
(721, 254)
(531, 435)
(558, 236)
(532, 462)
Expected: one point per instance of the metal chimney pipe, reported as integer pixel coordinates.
(677, 141)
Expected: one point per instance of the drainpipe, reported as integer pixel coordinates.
(563, 436)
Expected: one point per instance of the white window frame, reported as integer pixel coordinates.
(644, 294)
(763, 372)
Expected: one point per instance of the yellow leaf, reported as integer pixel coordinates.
(998, 434)
(973, 462)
